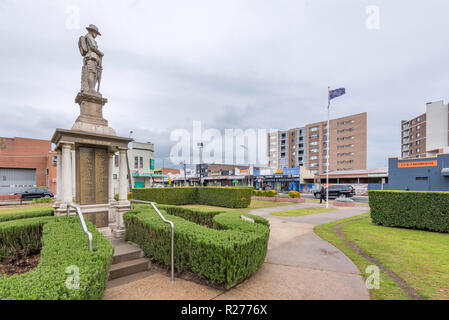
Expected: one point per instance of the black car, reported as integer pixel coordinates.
(37, 193)
(337, 191)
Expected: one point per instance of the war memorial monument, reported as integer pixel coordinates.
(94, 143)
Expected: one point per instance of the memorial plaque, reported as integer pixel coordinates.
(99, 219)
(101, 176)
(92, 175)
(85, 175)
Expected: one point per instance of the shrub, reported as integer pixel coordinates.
(23, 213)
(42, 200)
(225, 249)
(229, 197)
(129, 196)
(294, 194)
(64, 244)
(266, 193)
(411, 209)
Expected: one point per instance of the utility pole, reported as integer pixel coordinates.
(185, 175)
(127, 164)
(328, 145)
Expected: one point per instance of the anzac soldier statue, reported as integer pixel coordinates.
(92, 67)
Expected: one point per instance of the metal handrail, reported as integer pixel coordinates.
(172, 233)
(83, 223)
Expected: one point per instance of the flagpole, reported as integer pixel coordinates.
(328, 146)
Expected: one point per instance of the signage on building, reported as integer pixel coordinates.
(278, 171)
(414, 164)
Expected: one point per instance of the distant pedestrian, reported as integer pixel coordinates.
(322, 192)
(407, 188)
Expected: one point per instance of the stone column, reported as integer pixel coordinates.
(111, 178)
(123, 182)
(66, 174)
(123, 203)
(112, 202)
(58, 176)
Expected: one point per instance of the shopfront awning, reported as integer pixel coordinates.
(445, 172)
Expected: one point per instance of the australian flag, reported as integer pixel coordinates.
(336, 93)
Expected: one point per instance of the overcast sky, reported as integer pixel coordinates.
(227, 63)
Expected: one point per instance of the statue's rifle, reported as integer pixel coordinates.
(99, 72)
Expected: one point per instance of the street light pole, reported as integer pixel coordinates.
(200, 146)
(249, 165)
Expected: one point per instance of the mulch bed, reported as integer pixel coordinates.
(20, 264)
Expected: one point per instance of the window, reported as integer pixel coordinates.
(422, 178)
(314, 136)
(313, 158)
(136, 162)
(116, 160)
(141, 162)
(418, 127)
(418, 119)
(418, 135)
(314, 143)
(114, 176)
(314, 129)
(418, 142)
(314, 150)
(312, 165)
(418, 150)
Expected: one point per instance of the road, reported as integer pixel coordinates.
(361, 199)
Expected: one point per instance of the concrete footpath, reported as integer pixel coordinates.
(299, 265)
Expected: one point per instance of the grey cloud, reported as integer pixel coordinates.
(229, 64)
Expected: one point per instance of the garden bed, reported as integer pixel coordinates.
(19, 264)
(64, 253)
(343, 204)
(279, 199)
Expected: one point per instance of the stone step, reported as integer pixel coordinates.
(126, 268)
(124, 253)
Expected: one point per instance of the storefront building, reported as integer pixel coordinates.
(419, 174)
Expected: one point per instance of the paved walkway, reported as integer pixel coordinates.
(299, 265)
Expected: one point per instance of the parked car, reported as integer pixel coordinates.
(37, 193)
(337, 191)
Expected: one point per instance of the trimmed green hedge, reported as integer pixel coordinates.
(424, 210)
(23, 235)
(23, 213)
(64, 244)
(225, 249)
(228, 197)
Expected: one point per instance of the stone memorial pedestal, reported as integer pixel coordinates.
(95, 144)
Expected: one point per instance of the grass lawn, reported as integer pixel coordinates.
(420, 258)
(301, 212)
(28, 208)
(255, 204)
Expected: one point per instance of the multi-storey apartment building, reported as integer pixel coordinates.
(307, 146)
(286, 149)
(426, 134)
